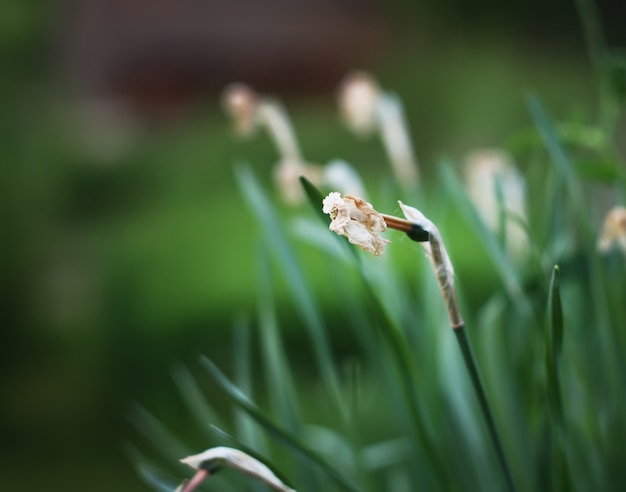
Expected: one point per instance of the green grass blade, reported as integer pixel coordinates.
(556, 314)
(156, 432)
(232, 441)
(472, 369)
(401, 355)
(553, 351)
(280, 434)
(508, 275)
(302, 295)
(194, 399)
(246, 430)
(280, 385)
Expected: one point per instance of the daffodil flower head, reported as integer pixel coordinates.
(241, 104)
(614, 231)
(357, 220)
(287, 177)
(358, 101)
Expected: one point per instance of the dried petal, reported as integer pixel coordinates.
(357, 220)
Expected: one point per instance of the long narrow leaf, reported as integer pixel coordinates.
(302, 295)
(280, 434)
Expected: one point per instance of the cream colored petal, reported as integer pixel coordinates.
(287, 177)
(238, 460)
(613, 230)
(240, 103)
(357, 220)
(358, 99)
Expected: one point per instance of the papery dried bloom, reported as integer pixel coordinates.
(357, 220)
(485, 171)
(214, 458)
(440, 261)
(614, 231)
(241, 103)
(358, 100)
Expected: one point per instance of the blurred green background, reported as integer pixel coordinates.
(126, 244)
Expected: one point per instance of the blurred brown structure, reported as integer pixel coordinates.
(159, 55)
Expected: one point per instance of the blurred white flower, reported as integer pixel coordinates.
(240, 103)
(358, 99)
(613, 231)
(250, 111)
(339, 175)
(365, 108)
(487, 173)
(214, 458)
(357, 220)
(287, 177)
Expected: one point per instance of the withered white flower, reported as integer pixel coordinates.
(287, 177)
(240, 103)
(613, 230)
(214, 458)
(440, 261)
(366, 109)
(485, 171)
(340, 175)
(358, 100)
(357, 220)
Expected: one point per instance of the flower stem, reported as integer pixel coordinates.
(411, 229)
(470, 363)
(197, 479)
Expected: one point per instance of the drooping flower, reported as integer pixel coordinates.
(358, 98)
(240, 103)
(357, 220)
(367, 109)
(613, 230)
(495, 185)
(213, 459)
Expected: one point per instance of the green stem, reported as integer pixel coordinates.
(470, 363)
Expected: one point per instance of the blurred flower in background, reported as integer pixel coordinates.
(498, 191)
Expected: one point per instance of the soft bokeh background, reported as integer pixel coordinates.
(126, 245)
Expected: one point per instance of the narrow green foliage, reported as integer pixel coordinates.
(401, 357)
(279, 384)
(280, 434)
(472, 369)
(556, 315)
(310, 313)
(233, 442)
(193, 398)
(504, 266)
